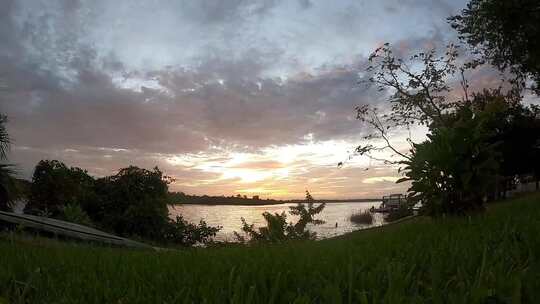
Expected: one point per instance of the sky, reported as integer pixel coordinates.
(227, 97)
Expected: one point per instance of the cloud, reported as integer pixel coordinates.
(191, 85)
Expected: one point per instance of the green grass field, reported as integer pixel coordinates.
(488, 258)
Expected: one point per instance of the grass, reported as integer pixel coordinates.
(488, 258)
(364, 217)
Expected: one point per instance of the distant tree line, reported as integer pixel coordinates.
(182, 198)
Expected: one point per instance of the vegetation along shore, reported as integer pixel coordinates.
(484, 258)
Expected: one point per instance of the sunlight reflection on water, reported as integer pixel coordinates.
(229, 216)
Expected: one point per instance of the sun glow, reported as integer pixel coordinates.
(282, 171)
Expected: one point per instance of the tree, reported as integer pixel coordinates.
(6, 183)
(505, 33)
(456, 167)
(278, 230)
(132, 202)
(419, 96)
(516, 131)
(9, 186)
(55, 186)
(4, 138)
(5, 171)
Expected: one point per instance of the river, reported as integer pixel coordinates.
(228, 216)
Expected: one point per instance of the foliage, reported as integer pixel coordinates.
(364, 217)
(5, 170)
(419, 96)
(516, 129)
(182, 198)
(6, 187)
(472, 139)
(183, 233)
(490, 258)
(4, 138)
(131, 203)
(419, 86)
(505, 33)
(134, 202)
(10, 187)
(75, 214)
(399, 213)
(54, 185)
(454, 169)
(278, 230)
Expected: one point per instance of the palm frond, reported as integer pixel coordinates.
(4, 137)
(12, 188)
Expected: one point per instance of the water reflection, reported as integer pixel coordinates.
(229, 216)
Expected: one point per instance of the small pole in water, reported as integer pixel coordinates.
(336, 224)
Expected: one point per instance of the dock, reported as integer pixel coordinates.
(390, 203)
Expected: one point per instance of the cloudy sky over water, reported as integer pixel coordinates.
(228, 97)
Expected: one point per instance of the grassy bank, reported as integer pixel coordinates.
(484, 258)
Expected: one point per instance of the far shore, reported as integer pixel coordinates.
(276, 202)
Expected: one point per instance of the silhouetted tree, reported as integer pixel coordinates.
(134, 202)
(8, 187)
(455, 168)
(516, 131)
(54, 186)
(505, 33)
(4, 138)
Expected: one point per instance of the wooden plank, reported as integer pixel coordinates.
(68, 229)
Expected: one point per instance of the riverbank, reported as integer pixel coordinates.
(251, 202)
(488, 257)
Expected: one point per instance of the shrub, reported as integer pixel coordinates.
(363, 217)
(277, 229)
(9, 191)
(75, 214)
(401, 212)
(455, 168)
(184, 233)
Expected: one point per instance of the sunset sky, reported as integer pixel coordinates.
(228, 97)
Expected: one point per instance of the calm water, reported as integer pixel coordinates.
(229, 216)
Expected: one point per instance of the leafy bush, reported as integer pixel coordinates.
(184, 233)
(278, 230)
(9, 187)
(401, 212)
(75, 214)
(364, 217)
(455, 168)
